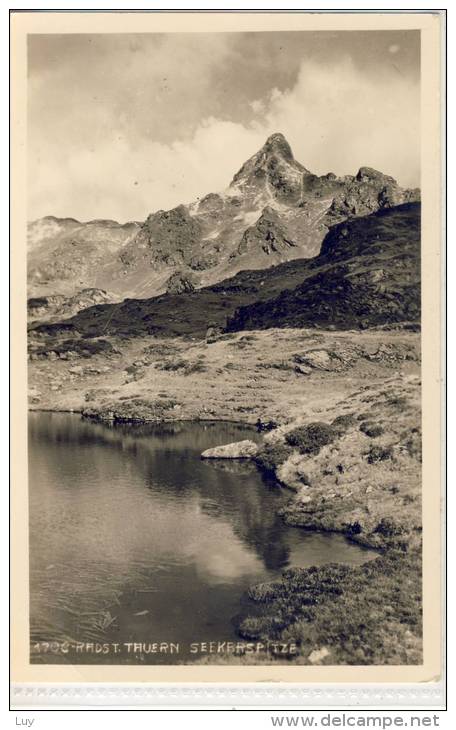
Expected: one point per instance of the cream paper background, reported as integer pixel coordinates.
(432, 92)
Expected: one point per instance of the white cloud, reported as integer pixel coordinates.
(257, 106)
(335, 117)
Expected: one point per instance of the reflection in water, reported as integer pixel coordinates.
(134, 538)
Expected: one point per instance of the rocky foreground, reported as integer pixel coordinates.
(355, 470)
(341, 419)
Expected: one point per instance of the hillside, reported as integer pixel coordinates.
(368, 273)
(188, 313)
(66, 256)
(273, 211)
(59, 306)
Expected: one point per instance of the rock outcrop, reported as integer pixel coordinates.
(368, 273)
(58, 306)
(273, 169)
(179, 283)
(67, 256)
(274, 210)
(267, 235)
(237, 450)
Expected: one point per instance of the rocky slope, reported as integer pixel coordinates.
(273, 211)
(66, 256)
(368, 273)
(59, 306)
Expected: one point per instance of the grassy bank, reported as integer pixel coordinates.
(347, 444)
(239, 377)
(358, 473)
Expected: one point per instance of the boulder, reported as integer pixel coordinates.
(318, 359)
(302, 370)
(303, 495)
(212, 334)
(318, 655)
(237, 450)
(76, 370)
(180, 283)
(34, 395)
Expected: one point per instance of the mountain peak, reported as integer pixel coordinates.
(273, 170)
(277, 144)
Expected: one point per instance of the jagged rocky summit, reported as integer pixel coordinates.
(273, 211)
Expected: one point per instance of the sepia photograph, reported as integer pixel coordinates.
(224, 348)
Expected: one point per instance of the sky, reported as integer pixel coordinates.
(121, 125)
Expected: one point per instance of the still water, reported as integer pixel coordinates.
(135, 539)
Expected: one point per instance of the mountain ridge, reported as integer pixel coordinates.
(273, 210)
(368, 274)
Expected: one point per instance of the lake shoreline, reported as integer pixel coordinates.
(362, 479)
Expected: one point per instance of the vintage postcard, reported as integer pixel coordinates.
(226, 257)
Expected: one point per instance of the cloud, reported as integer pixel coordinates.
(337, 119)
(335, 116)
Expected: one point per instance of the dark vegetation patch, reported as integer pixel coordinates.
(309, 439)
(186, 367)
(160, 349)
(172, 365)
(266, 425)
(281, 365)
(272, 456)
(398, 402)
(352, 283)
(365, 615)
(135, 410)
(373, 430)
(342, 423)
(379, 453)
(413, 444)
(389, 528)
(78, 347)
(363, 416)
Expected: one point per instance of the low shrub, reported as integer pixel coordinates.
(371, 429)
(264, 592)
(309, 439)
(344, 422)
(379, 453)
(171, 365)
(269, 425)
(388, 528)
(272, 456)
(82, 348)
(194, 367)
(186, 366)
